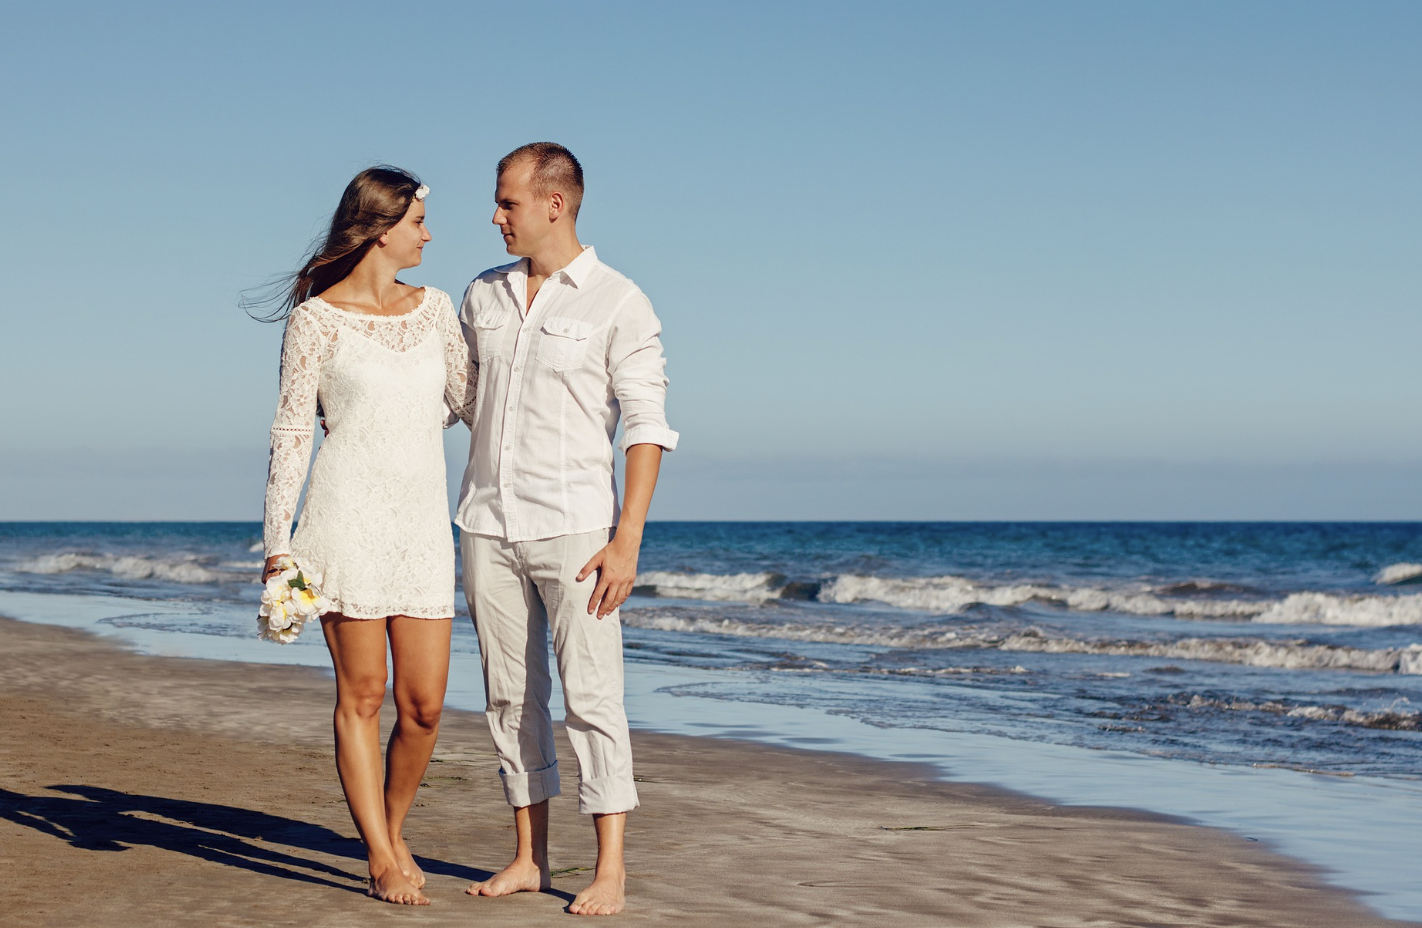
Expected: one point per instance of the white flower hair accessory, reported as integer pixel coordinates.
(422, 191)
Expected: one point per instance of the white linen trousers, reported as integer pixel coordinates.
(517, 592)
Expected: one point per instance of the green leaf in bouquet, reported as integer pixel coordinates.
(297, 583)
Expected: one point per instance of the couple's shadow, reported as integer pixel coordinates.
(99, 819)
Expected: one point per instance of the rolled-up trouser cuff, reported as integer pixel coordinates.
(532, 787)
(607, 795)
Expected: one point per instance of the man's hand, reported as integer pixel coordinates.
(617, 561)
(616, 565)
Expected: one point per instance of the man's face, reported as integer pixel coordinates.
(521, 217)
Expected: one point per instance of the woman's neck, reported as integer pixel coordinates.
(370, 286)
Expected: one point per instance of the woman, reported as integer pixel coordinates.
(385, 363)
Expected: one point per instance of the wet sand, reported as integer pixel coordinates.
(139, 791)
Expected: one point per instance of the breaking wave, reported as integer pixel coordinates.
(953, 594)
(1294, 654)
(928, 594)
(742, 588)
(1328, 609)
(949, 595)
(1253, 652)
(1399, 573)
(1392, 718)
(130, 567)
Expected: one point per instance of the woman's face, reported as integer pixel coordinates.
(404, 242)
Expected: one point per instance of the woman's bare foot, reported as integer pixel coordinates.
(521, 876)
(391, 885)
(606, 896)
(406, 860)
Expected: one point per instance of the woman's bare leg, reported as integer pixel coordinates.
(420, 648)
(358, 654)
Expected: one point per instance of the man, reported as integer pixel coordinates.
(566, 345)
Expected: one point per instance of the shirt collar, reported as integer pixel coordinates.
(577, 270)
(517, 268)
(580, 268)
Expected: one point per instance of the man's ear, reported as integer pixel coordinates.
(556, 205)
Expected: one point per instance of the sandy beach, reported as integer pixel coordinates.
(142, 790)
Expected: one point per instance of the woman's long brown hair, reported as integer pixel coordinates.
(374, 201)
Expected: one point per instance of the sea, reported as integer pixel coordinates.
(1261, 677)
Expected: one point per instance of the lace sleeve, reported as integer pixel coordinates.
(461, 371)
(292, 429)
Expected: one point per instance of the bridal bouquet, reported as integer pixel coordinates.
(291, 598)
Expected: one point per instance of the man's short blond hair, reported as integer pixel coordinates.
(554, 168)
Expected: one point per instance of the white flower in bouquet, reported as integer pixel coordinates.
(283, 635)
(289, 599)
(308, 602)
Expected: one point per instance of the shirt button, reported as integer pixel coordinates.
(516, 368)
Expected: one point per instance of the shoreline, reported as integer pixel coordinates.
(109, 760)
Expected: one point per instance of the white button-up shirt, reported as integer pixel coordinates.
(552, 383)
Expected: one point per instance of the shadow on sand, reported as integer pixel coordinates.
(99, 819)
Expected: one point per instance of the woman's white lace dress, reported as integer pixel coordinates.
(375, 524)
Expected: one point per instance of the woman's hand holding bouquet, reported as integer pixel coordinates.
(292, 596)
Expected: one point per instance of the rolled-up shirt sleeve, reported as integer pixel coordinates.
(639, 379)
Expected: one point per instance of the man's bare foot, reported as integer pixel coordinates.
(393, 886)
(406, 860)
(521, 876)
(606, 896)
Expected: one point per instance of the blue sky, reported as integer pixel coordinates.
(941, 260)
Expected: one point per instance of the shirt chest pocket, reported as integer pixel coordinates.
(563, 343)
(490, 329)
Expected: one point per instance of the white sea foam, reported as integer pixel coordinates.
(256, 547)
(1393, 717)
(929, 594)
(1328, 609)
(1254, 652)
(129, 567)
(1093, 600)
(949, 594)
(828, 634)
(1398, 573)
(744, 588)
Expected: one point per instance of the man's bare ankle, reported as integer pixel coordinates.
(522, 875)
